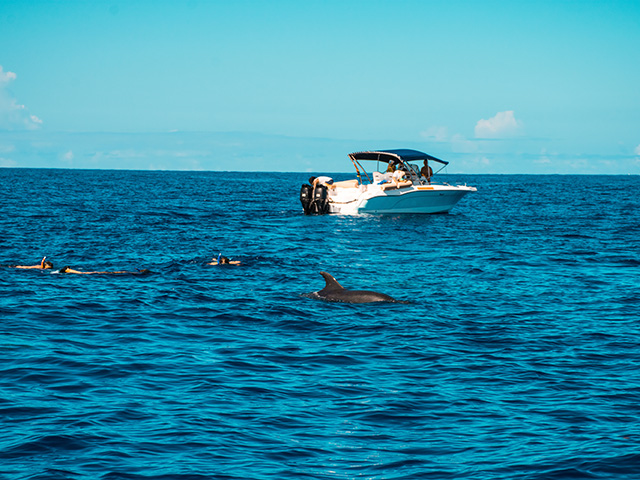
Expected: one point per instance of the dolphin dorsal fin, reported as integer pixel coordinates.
(332, 283)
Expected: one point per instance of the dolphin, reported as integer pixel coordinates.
(334, 292)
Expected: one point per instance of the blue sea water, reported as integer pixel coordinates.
(517, 358)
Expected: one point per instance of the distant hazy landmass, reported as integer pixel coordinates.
(234, 151)
(248, 151)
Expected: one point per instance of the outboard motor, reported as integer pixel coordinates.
(320, 203)
(306, 191)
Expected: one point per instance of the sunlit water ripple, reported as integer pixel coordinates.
(518, 356)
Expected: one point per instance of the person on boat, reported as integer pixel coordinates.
(426, 171)
(400, 179)
(224, 261)
(322, 180)
(43, 265)
(120, 272)
(392, 166)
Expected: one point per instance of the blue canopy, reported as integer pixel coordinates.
(398, 155)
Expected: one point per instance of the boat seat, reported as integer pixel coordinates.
(379, 177)
(392, 185)
(346, 184)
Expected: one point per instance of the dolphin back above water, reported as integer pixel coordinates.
(334, 292)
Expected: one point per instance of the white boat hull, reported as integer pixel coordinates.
(413, 199)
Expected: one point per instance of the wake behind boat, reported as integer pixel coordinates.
(403, 187)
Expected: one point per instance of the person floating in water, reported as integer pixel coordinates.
(224, 261)
(43, 265)
(121, 272)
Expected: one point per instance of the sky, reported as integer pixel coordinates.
(492, 86)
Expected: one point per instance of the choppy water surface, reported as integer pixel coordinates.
(518, 357)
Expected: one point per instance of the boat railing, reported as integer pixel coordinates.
(356, 164)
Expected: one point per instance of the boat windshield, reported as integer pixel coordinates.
(412, 172)
(400, 158)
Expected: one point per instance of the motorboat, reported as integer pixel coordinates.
(399, 187)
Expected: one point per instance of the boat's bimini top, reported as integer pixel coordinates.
(403, 155)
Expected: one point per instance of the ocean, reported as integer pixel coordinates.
(517, 356)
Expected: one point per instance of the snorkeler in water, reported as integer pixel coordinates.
(224, 261)
(120, 272)
(43, 265)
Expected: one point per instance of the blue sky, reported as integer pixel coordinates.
(494, 87)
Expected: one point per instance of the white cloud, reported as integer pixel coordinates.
(6, 77)
(543, 159)
(637, 150)
(14, 116)
(503, 124)
(437, 134)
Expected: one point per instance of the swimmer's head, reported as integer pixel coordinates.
(47, 265)
(224, 260)
(64, 269)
